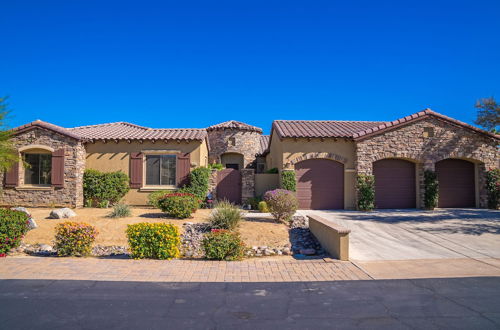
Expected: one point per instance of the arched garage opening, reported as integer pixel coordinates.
(457, 186)
(320, 184)
(395, 184)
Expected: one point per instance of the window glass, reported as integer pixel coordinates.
(160, 170)
(38, 168)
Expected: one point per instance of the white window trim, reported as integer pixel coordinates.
(146, 187)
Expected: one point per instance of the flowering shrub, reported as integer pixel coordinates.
(225, 216)
(13, 226)
(365, 185)
(281, 203)
(74, 238)
(179, 205)
(153, 240)
(493, 188)
(221, 244)
(155, 196)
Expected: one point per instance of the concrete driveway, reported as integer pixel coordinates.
(417, 234)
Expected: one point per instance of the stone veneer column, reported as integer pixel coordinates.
(247, 184)
(212, 184)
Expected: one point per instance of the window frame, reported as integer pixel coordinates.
(145, 169)
(22, 175)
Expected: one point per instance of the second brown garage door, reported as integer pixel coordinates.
(320, 184)
(456, 183)
(394, 184)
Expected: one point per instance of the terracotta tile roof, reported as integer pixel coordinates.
(233, 124)
(414, 117)
(263, 144)
(127, 131)
(321, 128)
(47, 126)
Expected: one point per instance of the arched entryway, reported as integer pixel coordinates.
(320, 184)
(395, 184)
(232, 160)
(457, 187)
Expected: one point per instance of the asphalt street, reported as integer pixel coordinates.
(461, 303)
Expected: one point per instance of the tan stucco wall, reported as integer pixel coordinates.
(265, 182)
(284, 152)
(111, 156)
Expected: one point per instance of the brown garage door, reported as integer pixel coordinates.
(229, 185)
(320, 184)
(394, 184)
(456, 183)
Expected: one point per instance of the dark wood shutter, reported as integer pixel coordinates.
(136, 163)
(57, 172)
(183, 168)
(12, 176)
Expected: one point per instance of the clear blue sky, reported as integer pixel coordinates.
(196, 63)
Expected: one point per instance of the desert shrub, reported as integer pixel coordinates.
(273, 170)
(225, 216)
(254, 202)
(221, 244)
(153, 240)
(288, 181)
(102, 188)
(179, 205)
(365, 185)
(263, 207)
(431, 190)
(198, 183)
(493, 188)
(281, 203)
(13, 226)
(74, 238)
(216, 166)
(155, 196)
(120, 210)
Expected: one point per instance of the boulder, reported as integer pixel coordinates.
(32, 224)
(46, 248)
(62, 213)
(21, 209)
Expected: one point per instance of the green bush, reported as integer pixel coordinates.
(431, 190)
(155, 196)
(153, 240)
(282, 204)
(120, 210)
(263, 207)
(365, 185)
(493, 188)
(273, 170)
(288, 181)
(179, 205)
(221, 244)
(102, 188)
(74, 238)
(216, 166)
(254, 202)
(13, 226)
(225, 216)
(198, 183)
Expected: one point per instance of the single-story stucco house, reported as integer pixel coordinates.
(325, 155)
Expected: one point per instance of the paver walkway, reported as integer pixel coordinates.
(281, 269)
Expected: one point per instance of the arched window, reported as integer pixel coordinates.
(37, 166)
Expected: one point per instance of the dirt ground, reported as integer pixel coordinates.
(254, 231)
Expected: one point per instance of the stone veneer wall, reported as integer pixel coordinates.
(247, 144)
(74, 165)
(449, 141)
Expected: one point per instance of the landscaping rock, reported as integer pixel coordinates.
(32, 224)
(308, 252)
(106, 251)
(303, 242)
(21, 209)
(191, 239)
(45, 248)
(62, 213)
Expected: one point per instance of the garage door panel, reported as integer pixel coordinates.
(395, 186)
(320, 184)
(456, 179)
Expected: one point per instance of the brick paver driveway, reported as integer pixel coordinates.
(416, 234)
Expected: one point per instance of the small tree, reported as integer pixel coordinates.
(8, 153)
(488, 114)
(431, 190)
(366, 192)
